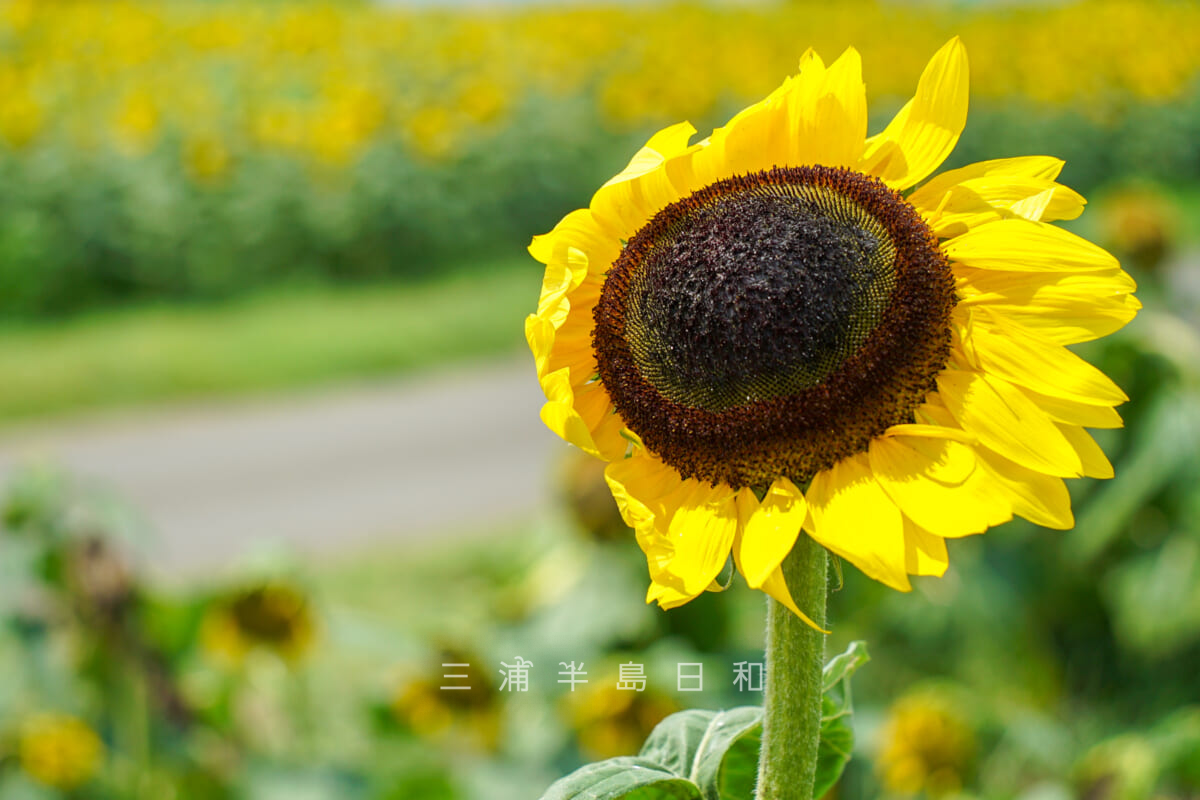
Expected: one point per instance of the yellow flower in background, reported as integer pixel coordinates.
(206, 157)
(59, 750)
(273, 617)
(763, 335)
(927, 747)
(610, 722)
(436, 714)
(137, 121)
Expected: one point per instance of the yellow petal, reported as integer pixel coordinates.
(827, 112)
(936, 484)
(753, 140)
(929, 196)
(920, 137)
(1064, 308)
(1095, 463)
(581, 231)
(976, 202)
(1023, 246)
(948, 431)
(853, 517)
(1072, 412)
(1041, 499)
(560, 415)
(667, 597)
(639, 483)
(1008, 422)
(539, 333)
(562, 276)
(768, 529)
(702, 528)
(1022, 357)
(623, 204)
(924, 553)
(776, 586)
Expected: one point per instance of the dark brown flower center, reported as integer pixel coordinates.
(774, 323)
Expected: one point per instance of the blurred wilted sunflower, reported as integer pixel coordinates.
(762, 334)
(471, 710)
(59, 750)
(274, 617)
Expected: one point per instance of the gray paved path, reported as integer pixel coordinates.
(331, 472)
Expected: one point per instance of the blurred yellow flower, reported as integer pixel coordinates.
(206, 157)
(610, 722)
(432, 132)
(20, 117)
(274, 617)
(137, 120)
(431, 712)
(927, 746)
(59, 750)
(1140, 224)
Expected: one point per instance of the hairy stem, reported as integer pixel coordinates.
(795, 657)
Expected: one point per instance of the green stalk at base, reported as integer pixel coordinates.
(795, 657)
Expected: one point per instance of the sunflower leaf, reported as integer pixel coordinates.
(837, 737)
(675, 741)
(726, 763)
(623, 778)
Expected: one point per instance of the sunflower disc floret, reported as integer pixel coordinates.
(770, 325)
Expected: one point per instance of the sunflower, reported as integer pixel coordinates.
(771, 331)
(274, 617)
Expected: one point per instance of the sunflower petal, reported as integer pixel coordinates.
(622, 204)
(1022, 357)
(1008, 422)
(920, 137)
(853, 517)
(827, 112)
(702, 529)
(936, 484)
(1042, 499)
(768, 529)
(1095, 463)
(1064, 308)
(776, 586)
(561, 416)
(924, 553)
(976, 202)
(580, 230)
(1044, 167)
(1025, 246)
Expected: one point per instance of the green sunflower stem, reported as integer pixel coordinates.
(795, 657)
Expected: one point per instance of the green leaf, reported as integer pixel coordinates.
(726, 765)
(837, 737)
(840, 668)
(623, 779)
(717, 750)
(674, 741)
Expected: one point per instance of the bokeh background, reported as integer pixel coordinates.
(270, 442)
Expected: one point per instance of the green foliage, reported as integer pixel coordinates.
(837, 706)
(274, 340)
(713, 755)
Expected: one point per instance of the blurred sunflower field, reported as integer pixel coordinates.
(196, 150)
(178, 177)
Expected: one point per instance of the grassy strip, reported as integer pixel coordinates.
(281, 339)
